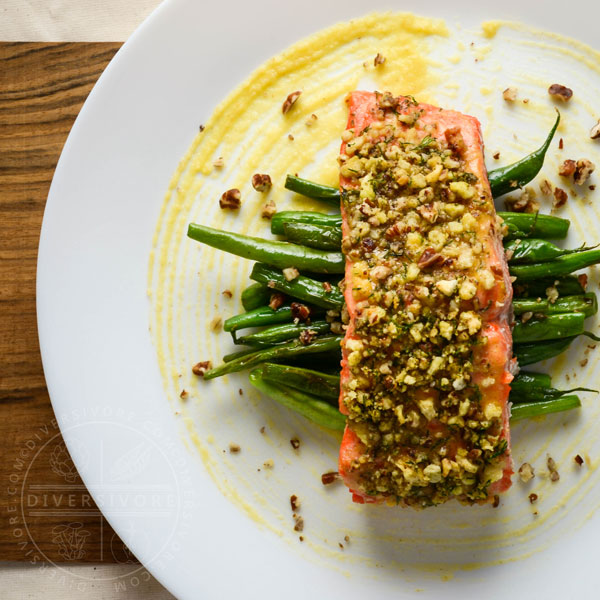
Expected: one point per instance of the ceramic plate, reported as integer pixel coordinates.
(126, 303)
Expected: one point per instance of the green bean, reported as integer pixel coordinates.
(304, 288)
(240, 353)
(312, 408)
(274, 353)
(527, 379)
(329, 194)
(527, 354)
(316, 383)
(551, 327)
(534, 225)
(554, 268)
(283, 333)
(534, 250)
(586, 304)
(324, 237)
(279, 219)
(506, 179)
(527, 410)
(255, 295)
(264, 315)
(568, 285)
(276, 254)
(544, 394)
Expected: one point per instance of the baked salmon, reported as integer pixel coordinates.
(426, 365)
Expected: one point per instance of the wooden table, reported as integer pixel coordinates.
(42, 89)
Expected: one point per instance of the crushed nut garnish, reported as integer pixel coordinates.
(378, 60)
(269, 209)
(341, 545)
(327, 286)
(578, 459)
(261, 182)
(271, 283)
(294, 503)
(525, 100)
(546, 187)
(526, 316)
(560, 198)
(219, 163)
(311, 120)
(567, 168)
(496, 501)
(583, 171)
(526, 472)
(290, 137)
(307, 336)
(496, 156)
(201, 128)
(234, 448)
(329, 478)
(241, 392)
(592, 187)
(561, 144)
(346, 538)
(301, 538)
(533, 498)
(227, 293)
(216, 324)
(300, 311)
(263, 429)
(277, 299)
(525, 202)
(510, 94)
(290, 101)
(231, 199)
(295, 442)
(201, 368)
(584, 362)
(595, 131)
(298, 523)
(583, 280)
(184, 394)
(560, 92)
(554, 476)
(552, 293)
(291, 273)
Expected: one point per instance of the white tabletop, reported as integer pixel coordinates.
(74, 21)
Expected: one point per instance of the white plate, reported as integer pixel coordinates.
(103, 376)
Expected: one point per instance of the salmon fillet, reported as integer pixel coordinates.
(427, 352)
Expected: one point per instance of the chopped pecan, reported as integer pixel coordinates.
(326, 286)
(307, 337)
(428, 212)
(560, 92)
(533, 498)
(496, 156)
(329, 478)
(311, 120)
(219, 163)
(546, 187)
(231, 199)
(268, 210)
(261, 182)
(583, 280)
(294, 502)
(378, 60)
(595, 131)
(300, 311)
(510, 94)
(201, 368)
(290, 101)
(526, 472)
(561, 144)
(583, 170)
(578, 460)
(277, 299)
(290, 273)
(455, 140)
(525, 202)
(567, 168)
(429, 259)
(295, 442)
(227, 293)
(560, 197)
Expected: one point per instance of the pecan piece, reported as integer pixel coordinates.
(560, 92)
(595, 131)
(567, 168)
(378, 60)
(510, 94)
(268, 210)
(201, 368)
(277, 299)
(307, 337)
(231, 199)
(560, 197)
(583, 170)
(290, 101)
(300, 311)
(429, 259)
(261, 182)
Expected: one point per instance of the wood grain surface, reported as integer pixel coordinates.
(42, 89)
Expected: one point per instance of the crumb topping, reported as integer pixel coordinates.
(413, 210)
